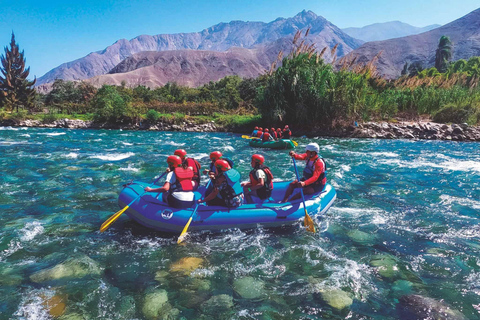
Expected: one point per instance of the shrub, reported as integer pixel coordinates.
(49, 117)
(458, 114)
(22, 114)
(153, 116)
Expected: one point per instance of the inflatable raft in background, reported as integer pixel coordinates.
(156, 214)
(279, 144)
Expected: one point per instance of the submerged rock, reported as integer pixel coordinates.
(55, 305)
(362, 238)
(386, 265)
(249, 288)
(71, 268)
(336, 298)
(153, 304)
(222, 303)
(186, 265)
(416, 307)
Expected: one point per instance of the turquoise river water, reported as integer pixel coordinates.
(403, 233)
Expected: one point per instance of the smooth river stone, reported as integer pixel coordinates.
(249, 288)
(72, 268)
(55, 305)
(386, 265)
(186, 265)
(336, 298)
(153, 304)
(362, 238)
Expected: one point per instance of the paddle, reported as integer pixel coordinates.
(308, 222)
(294, 143)
(113, 218)
(248, 137)
(184, 231)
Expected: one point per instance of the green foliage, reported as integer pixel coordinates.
(15, 90)
(453, 113)
(443, 54)
(153, 116)
(113, 105)
(50, 117)
(21, 114)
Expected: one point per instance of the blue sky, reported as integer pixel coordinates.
(55, 32)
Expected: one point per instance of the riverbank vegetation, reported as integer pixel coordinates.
(303, 91)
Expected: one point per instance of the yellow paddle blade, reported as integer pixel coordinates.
(308, 222)
(295, 143)
(184, 231)
(246, 137)
(112, 219)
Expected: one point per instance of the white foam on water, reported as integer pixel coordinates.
(127, 144)
(53, 134)
(384, 154)
(72, 155)
(129, 168)
(13, 247)
(447, 200)
(113, 156)
(198, 156)
(228, 148)
(173, 143)
(377, 216)
(9, 129)
(31, 230)
(327, 147)
(25, 135)
(32, 305)
(451, 165)
(217, 138)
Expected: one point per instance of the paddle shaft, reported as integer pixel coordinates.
(308, 221)
(184, 231)
(113, 218)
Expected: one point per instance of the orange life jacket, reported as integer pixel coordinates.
(184, 179)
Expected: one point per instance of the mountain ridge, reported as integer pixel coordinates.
(386, 30)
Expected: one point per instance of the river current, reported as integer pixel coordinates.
(403, 234)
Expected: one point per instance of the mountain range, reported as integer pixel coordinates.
(248, 49)
(216, 38)
(464, 34)
(386, 30)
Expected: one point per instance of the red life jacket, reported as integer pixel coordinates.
(274, 135)
(266, 137)
(259, 133)
(268, 183)
(196, 168)
(184, 179)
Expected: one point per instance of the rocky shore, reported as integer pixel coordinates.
(374, 130)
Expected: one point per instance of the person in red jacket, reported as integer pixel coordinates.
(314, 174)
(287, 133)
(190, 163)
(273, 133)
(178, 187)
(261, 180)
(279, 133)
(266, 136)
(259, 132)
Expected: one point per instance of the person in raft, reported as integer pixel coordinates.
(273, 133)
(190, 163)
(260, 132)
(314, 174)
(261, 180)
(214, 156)
(279, 133)
(267, 136)
(287, 133)
(254, 132)
(178, 188)
(227, 191)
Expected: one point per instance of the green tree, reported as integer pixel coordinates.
(443, 54)
(15, 90)
(111, 106)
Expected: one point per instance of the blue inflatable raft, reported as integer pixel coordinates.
(153, 213)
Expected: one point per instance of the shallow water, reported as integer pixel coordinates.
(406, 221)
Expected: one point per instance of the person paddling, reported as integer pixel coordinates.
(178, 187)
(266, 136)
(287, 133)
(260, 133)
(190, 163)
(261, 180)
(227, 191)
(279, 134)
(314, 174)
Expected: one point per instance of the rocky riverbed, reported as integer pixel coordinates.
(375, 130)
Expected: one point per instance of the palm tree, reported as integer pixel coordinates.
(443, 54)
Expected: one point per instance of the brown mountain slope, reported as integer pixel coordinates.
(216, 38)
(463, 32)
(186, 67)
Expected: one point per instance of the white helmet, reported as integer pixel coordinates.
(312, 147)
